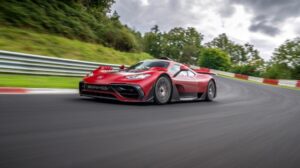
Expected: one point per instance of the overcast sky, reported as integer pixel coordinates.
(264, 23)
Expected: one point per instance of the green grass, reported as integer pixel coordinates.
(19, 40)
(33, 81)
(286, 87)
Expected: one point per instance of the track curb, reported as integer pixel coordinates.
(17, 90)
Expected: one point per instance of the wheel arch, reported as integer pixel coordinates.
(174, 92)
(150, 97)
(167, 75)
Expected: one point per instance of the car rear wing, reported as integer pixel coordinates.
(204, 71)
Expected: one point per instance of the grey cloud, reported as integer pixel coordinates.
(262, 43)
(264, 28)
(226, 11)
(262, 24)
(265, 47)
(269, 14)
(165, 13)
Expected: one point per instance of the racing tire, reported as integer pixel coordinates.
(211, 91)
(162, 90)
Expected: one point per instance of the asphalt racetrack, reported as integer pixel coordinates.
(247, 126)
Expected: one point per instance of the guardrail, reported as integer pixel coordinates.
(280, 82)
(19, 63)
(13, 62)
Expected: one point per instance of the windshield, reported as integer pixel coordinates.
(147, 65)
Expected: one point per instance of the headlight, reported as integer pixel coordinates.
(140, 76)
(90, 74)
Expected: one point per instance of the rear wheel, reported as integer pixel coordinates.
(163, 90)
(211, 91)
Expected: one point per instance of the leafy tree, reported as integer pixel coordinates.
(102, 5)
(155, 29)
(192, 47)
(253, 64)
(285, 62)
(245, 58)
(251, 53)
(175, 42)
(278, 71)
(248, 69)
(179, 43)
(239, 54)
(214, 58)
(288, 53)
(189, 54)
(115, 17)
(222, 42)
(153, 42)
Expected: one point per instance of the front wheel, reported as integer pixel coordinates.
(211, 91)
(163, 90)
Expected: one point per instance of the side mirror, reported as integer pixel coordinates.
(182, 68)
(122, 67)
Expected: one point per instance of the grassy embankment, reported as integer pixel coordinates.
(24, 41)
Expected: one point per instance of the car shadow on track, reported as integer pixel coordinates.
(115, 102)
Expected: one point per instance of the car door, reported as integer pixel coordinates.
(186, 83)
(193, 81)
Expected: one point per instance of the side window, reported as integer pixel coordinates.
(191, 74)
(183, 74)
(174, 69)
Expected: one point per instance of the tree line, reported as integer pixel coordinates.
(93, 21)
(186, 45)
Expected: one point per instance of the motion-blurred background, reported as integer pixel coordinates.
(91, 30)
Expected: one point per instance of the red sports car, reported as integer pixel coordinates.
(160, 81)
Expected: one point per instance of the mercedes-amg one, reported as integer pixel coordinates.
(159, 80)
